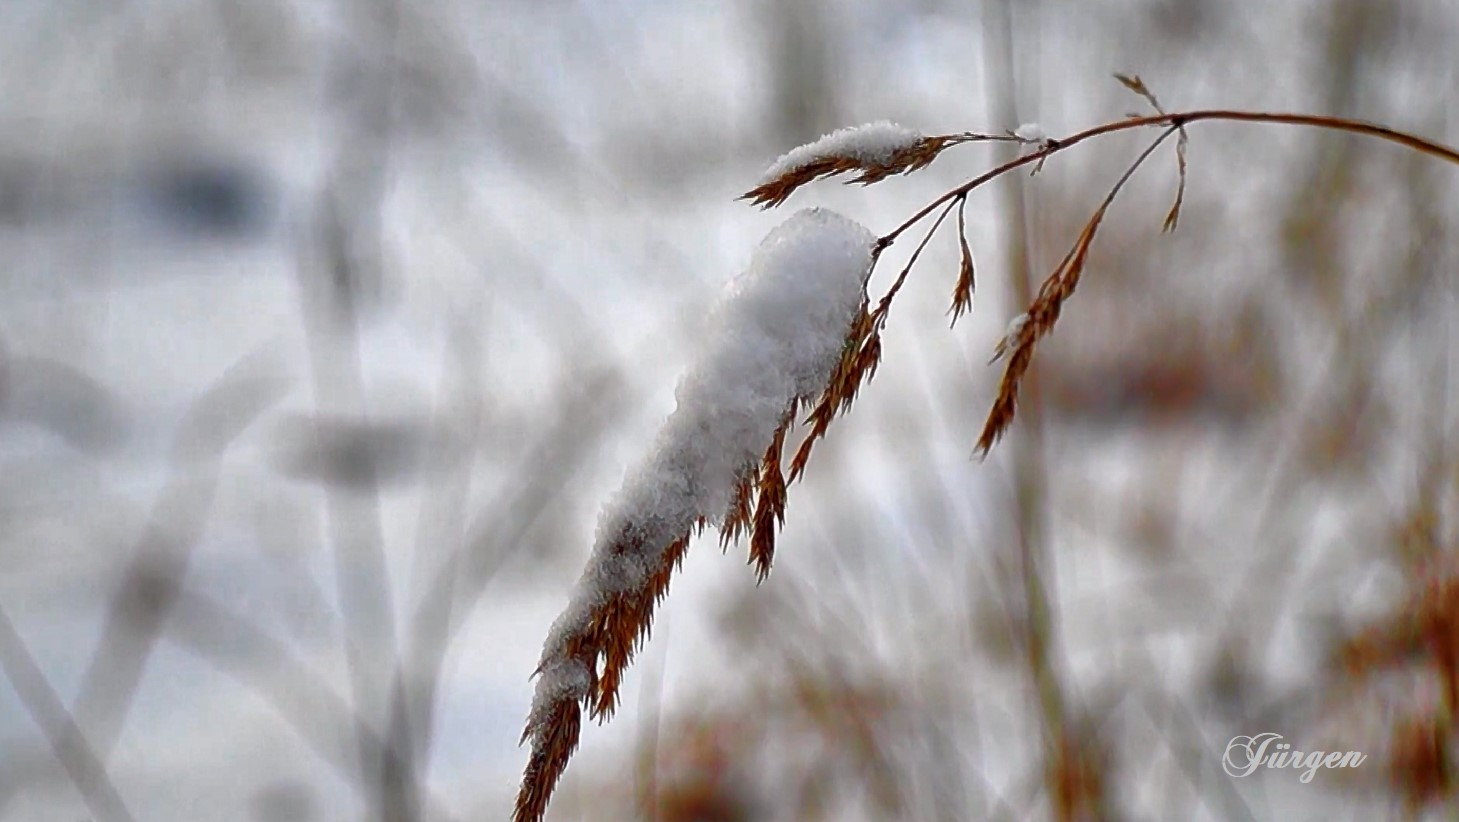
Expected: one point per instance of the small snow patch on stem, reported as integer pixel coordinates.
(1031, 133)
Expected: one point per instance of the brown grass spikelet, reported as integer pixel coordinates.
(770, 503)
(904, 160)
(1047, 305)
(1172, 217)
(962, 293)
(819, 421)
(599, 649)
(859, 358)
(1037, 322)
(624, 624)
(867, 361)
(1135, 84)
(562, 729)
(737, 518)
(555, 731)
(1005, 405)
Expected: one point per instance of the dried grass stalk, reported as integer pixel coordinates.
(612, 626)
(1135, 84)
(1047, 305)
(1172, 218)
(962, 293)
(775, 342)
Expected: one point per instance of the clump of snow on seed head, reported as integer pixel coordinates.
(871, 145)
(775, 337)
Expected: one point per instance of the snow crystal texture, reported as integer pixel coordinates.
(869, 145)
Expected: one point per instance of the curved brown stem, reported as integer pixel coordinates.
(1178, 120)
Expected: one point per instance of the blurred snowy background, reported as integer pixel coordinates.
(327, 327)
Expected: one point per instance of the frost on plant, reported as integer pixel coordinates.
(771, 345)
